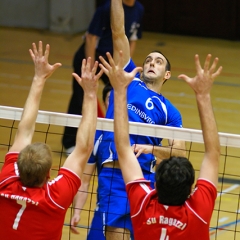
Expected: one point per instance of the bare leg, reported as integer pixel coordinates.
(113, 233)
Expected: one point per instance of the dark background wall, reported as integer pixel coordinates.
(207, 18)
(64, 16)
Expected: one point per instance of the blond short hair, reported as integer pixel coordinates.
(34, 163)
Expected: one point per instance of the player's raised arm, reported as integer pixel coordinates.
(76, 161)
(43, 70)
(120, 41)
(120, 80)
(202, 84)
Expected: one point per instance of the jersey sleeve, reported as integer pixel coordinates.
(174, 118)
(137, 191)
(130, 66)
(9, 167)
(202, 200)
(64, 187)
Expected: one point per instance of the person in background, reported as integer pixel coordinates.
(98, 41)
(32, 206)
(173, 210)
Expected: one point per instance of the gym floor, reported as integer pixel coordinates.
(16, 73)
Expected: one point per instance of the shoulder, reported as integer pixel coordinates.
(130, 66)
(102, 11)
(69, 173)
(204, 183)
(141, 186)
(11, 156)
(139, 194)
(204, 191)
(10, 165)
(104, 7)
(202, 200)
(169, 105)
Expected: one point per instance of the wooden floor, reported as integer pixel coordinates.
(16, 72)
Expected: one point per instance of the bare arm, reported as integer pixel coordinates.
(90, 46)
(43, 70)
(81, 196)
(175, 148)
(202, 84)
(120, 41)
(120, 80)
(76, 161)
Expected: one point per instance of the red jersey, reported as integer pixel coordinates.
(152, 220)
(34, 213)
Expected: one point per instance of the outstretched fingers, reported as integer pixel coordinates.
(135, 71)
(207, 63)
(47, 50)
(40, 50)
(185, 78)
(55, 66)
(83, 67)
(198, 64)
(213, 67)
(33, 52)
(78, 79)
(99, 74)
(217, 72)
(110, 59)
(107, 66)
(94, 69)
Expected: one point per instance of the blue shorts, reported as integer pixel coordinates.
(96, 230)
(113, 202)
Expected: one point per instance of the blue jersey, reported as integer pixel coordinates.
(144, 106)
(100, 25)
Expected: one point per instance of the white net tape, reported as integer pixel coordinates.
(62, 119)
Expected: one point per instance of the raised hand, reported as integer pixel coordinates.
(89, 78)
(43, 69)
(138, 149)
(202, 82)
(119, 78)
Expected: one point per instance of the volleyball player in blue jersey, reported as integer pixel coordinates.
(98, 41)
(145, 105)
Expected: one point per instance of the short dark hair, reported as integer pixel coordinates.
(107, 88)
(174, 179)
(168, 65)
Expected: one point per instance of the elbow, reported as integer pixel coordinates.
(214, 153)
(85, 185)
(91, 38)
(216, 150)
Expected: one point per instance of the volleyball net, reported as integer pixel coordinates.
(49, 129)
